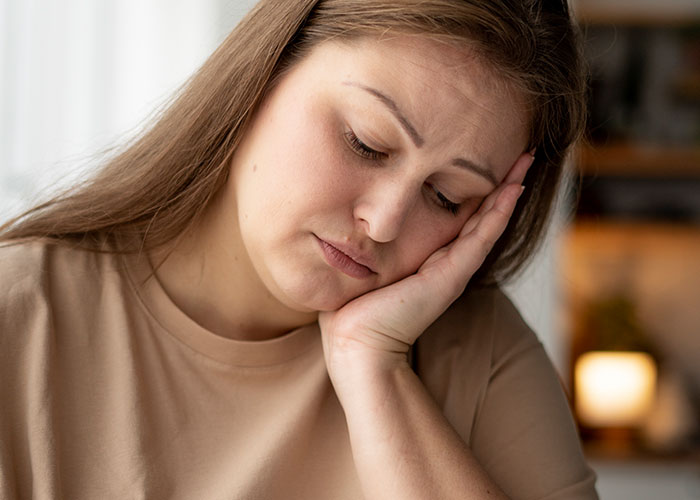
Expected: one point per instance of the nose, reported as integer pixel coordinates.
(384, 208)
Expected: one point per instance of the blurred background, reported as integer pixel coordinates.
(614, 294)
(629, 272)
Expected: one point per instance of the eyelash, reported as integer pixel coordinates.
(368, 153)
(445, 203)
(361, 148)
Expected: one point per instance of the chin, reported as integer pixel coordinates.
(324, 303)
(317, 297)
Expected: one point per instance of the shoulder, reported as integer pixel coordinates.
(483, 323)
(40, 276)
(30, 264)
(24, 275)
(20, 261)
(491, 377)
(459, 355)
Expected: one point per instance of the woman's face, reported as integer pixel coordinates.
(365, 159)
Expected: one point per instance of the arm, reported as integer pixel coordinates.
(402, 445)
(523, 432)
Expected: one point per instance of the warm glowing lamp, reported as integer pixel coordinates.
(614, 388)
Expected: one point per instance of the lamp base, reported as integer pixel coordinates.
(613, 441)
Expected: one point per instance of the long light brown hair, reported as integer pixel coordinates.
(162, 182)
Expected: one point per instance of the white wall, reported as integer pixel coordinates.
(77, 75)
(537, 295)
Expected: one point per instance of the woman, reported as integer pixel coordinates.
(226, 310)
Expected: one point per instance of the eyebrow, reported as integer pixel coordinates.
(389, 103)
(415, 136)
(482, 171)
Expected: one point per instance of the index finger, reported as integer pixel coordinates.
(517, 172)
(515, 175)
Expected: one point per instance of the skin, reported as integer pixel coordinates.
(295, 178)
(254, 268)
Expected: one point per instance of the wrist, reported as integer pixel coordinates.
(365, 375)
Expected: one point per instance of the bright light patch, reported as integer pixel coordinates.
(614, 389)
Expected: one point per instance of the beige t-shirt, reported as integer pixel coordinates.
(108, 390)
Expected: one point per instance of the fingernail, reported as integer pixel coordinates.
(522, 188)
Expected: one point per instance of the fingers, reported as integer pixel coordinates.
(494, 222)
(520, 168)
(476, 245)
(515, 175)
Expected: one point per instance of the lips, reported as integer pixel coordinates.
(346, 259)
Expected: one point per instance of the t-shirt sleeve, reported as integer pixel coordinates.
(496, 385)
(524, 433)
(24, 346)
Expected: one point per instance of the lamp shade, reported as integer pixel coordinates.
(614, 388)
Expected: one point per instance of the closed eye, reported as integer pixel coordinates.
(361, 148)
(443, 201)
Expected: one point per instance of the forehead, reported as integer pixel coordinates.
(420, 63)
(447, 92)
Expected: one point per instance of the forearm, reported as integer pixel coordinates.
(402, 444)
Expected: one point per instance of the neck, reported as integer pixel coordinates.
(215, 284)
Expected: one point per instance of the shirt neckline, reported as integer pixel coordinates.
(174, 321)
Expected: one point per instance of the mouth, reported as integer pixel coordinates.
(338, 256)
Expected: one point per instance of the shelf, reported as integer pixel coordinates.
(656, 264)
(622, 18)
(613, 236)
(636, 161)
(638, 12)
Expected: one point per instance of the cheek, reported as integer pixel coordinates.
(313, 153)
(428, 235)
(446, 227)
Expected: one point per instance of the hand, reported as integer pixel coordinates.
(376, 329)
